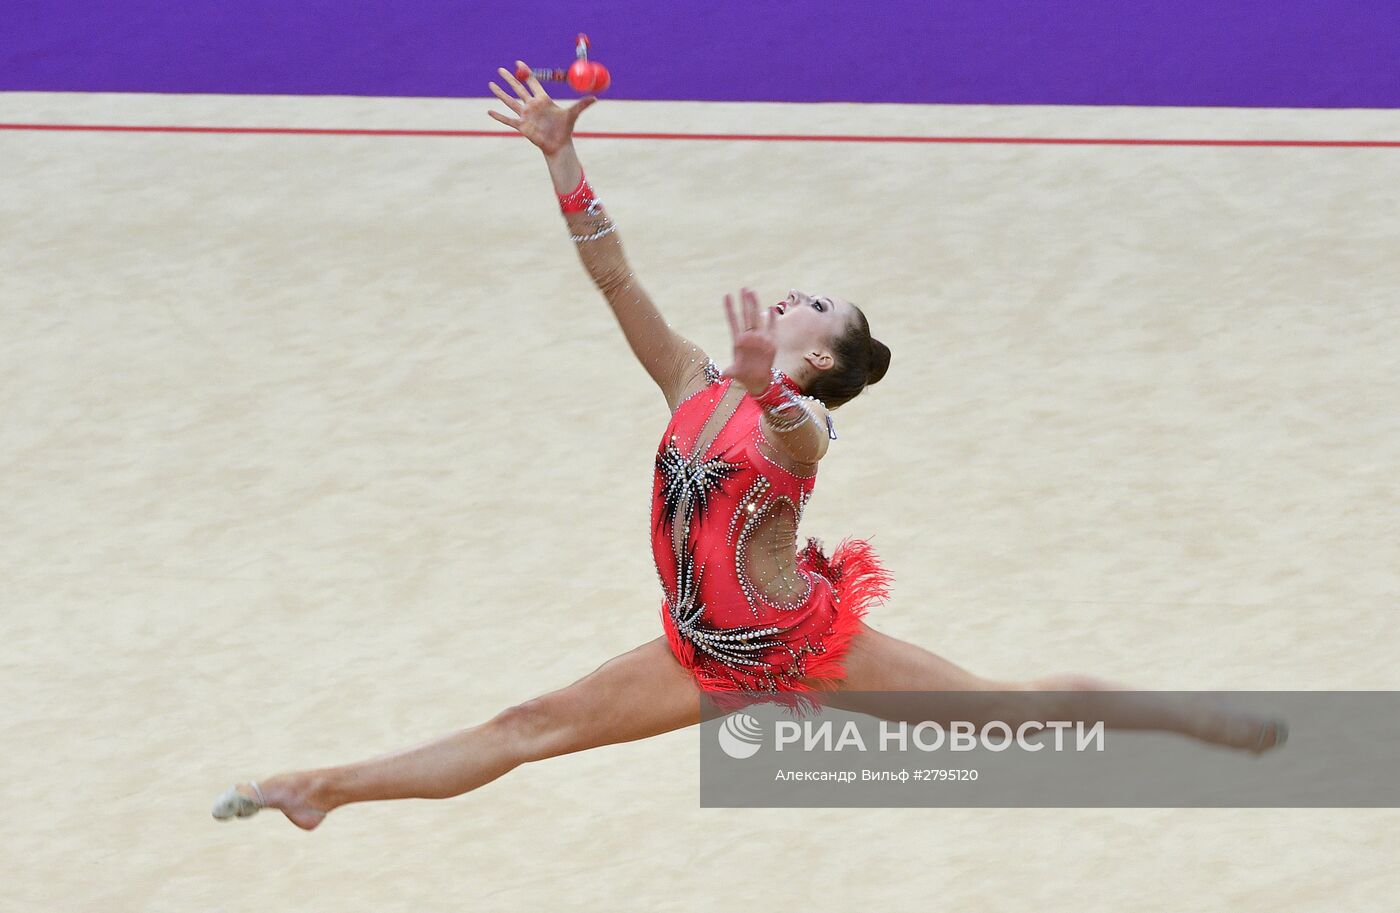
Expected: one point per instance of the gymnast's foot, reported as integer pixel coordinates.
(1246, 731)
(291, 794)
(1231, 727)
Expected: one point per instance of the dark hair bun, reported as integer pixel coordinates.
(879, 361)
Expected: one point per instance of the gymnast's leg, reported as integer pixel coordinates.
(642, 693)
(877, 662)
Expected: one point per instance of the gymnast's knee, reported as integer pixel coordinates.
(1064, 696)
(533, 729)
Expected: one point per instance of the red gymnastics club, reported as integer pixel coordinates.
(583, 75)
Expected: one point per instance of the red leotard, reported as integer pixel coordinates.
(714, 496)
(725, 513)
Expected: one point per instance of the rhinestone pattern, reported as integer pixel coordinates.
(688, 482)
(737, 646)
(715, 498)
(584, 212)
(787, 409)
(755, 515)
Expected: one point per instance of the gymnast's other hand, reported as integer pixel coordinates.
(754, 346)
(538, 118)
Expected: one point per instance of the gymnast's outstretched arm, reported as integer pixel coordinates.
(674, 362)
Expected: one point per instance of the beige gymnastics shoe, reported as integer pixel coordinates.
(234, 804)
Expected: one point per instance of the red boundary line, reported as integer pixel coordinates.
(730, 137)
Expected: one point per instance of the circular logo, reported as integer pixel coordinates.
(740, 736)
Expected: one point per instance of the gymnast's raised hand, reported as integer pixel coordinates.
(538, 117)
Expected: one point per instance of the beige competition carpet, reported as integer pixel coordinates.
(315, 447)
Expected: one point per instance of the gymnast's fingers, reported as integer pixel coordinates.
(511, 103)
(536, 89)
(729, 312)
(578, 107)
(511, 122)
(514, 83)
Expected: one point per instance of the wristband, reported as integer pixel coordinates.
(580, 199)
(784, 405)
(778, 394)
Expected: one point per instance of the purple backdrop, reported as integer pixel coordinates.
(1287, 53)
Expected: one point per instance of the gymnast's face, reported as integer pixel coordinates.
(808, 325)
